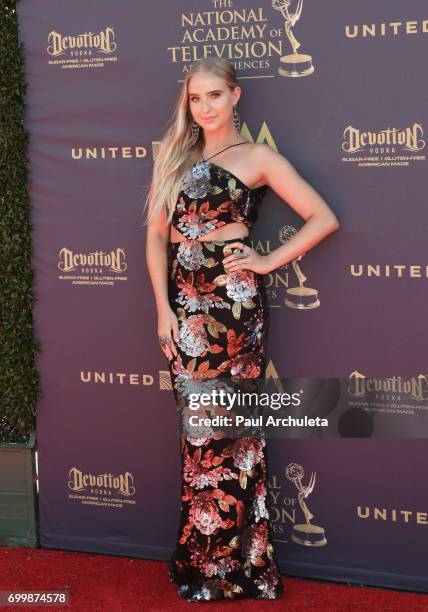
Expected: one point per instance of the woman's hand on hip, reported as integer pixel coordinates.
(246, 259)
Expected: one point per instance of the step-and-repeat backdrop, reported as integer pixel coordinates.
(338, 89)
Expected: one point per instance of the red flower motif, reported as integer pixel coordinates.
(235, 343)
(247, 453)
(254, 540)
(204, 514)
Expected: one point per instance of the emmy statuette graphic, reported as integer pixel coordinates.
(298, 297)
(295, 64)
(305, 533)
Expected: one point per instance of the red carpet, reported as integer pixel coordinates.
(99, 583)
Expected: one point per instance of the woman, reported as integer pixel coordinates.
(213, 322)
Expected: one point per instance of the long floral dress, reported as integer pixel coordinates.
(224, 546)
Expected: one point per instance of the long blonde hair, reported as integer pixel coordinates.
(176, 153)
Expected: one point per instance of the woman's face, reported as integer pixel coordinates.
(211, 101)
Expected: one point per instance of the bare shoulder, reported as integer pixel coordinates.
(271, 165)
(256, 150)
(266, 155)
(281, 176)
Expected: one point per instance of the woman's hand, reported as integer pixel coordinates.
(247, 259)
(168, 331)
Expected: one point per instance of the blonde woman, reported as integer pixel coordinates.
(206, 192)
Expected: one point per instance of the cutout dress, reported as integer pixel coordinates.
(224, 547)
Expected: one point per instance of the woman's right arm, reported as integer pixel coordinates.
(156, 256)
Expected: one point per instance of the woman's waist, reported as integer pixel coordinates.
(204, 248)
(209, 243)
(227, 233)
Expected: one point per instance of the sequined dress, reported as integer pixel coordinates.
(224, 547)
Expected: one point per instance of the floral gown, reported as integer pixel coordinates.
(224, 546)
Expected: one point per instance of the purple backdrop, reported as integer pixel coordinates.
(102, 82)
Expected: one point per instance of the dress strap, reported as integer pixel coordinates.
(225, 149)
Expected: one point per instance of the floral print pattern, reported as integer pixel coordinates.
(224, 547)
(197, 182)
(190, 254)
(210, 197)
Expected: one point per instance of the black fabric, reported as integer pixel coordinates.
(224, 546)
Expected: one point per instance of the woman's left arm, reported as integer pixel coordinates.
(277, 172)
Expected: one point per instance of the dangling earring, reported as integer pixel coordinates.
(195, 132)
(236, 122)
